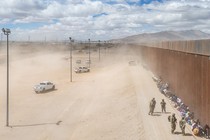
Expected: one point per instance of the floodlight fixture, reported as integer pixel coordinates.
(6, 31)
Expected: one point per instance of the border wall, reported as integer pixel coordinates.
(201, 47)
(185, 65)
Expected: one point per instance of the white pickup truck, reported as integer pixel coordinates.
(44, 86)
(81, 69)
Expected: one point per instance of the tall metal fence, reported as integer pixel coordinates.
(190, 46)
(187, 72)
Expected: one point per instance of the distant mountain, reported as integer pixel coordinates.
(165, 36)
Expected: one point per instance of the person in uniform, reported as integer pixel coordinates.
(173, 121)
(163, 106)
(182, 124)
(152, 106)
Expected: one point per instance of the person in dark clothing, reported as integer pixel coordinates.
(163, 106)
(152, 106)
(173, 121)
(206, 131)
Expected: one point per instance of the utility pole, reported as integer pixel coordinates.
(45, 39)
(99, 51)
(7, 32)
(89, 52)
(1, 37)
(29, 38)
(70, 58)
(105, 47)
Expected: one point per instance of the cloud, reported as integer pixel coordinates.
(104, 19)
(5, 20)
(20, 8)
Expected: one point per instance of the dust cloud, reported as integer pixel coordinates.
(109, 102)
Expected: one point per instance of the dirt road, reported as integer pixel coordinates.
(109, 103)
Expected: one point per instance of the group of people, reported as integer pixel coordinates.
(186, 114)
(152, 106)
(189, 118)
(172, 119)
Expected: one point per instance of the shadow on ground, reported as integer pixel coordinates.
(179, 133)
(163, 112)
(156, 114)
(38, 124)
(47, 91)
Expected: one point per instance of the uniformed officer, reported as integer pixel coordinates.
(173, 121)
(163, 106)
(152, 106)
(182, 124)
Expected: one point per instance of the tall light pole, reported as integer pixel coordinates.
(45, 39)
(7, 32)
(1, 36)
(99, 51)
(105, 47)
(70, 58)
(29, 38)
(89, 52)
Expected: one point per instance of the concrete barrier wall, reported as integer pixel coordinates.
(187, 74)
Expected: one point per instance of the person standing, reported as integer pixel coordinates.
(163, 106)
(173, 121)
(206, 130)
(182, 124)
(152, 106)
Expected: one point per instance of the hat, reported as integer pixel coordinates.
(196, 131)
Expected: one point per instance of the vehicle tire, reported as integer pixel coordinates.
(53, 87)
(43, 90)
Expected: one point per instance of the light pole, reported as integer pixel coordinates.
(7, 32)
(89, 52)
(105, 47)
(29, 38)
(99, 50)
(70, 59)
(1, 36)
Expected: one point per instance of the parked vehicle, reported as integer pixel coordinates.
(132, 63)
(78, 61)
(81, 69)
(88, 61)
(44, 86)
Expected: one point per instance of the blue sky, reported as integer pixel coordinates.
(132, 2)
(100, 19)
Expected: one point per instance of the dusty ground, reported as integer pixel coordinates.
(109, 103)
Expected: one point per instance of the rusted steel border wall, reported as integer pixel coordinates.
(187, 74)
(190, 46)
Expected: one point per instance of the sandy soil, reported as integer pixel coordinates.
(109, 103)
